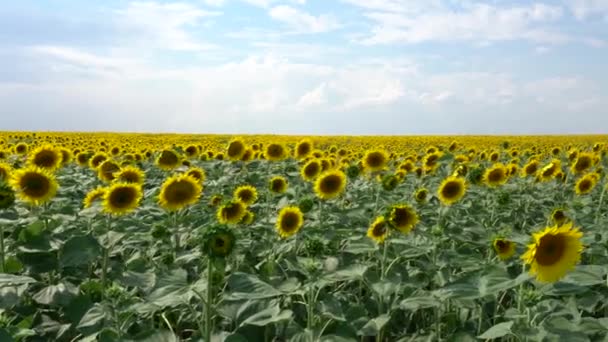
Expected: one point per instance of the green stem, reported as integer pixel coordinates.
(176, 234)
(311, 300)
(104, 269)
(208, 318)
(599, 206)
(2, 249)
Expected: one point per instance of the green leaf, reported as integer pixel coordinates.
(268, 316)
(80, 250)
(160, 336)
(14, 280)
(60, 294)
(248, 286)
(353, 272)
(497, 331)
(374, 325)
(93, 319)
(587, 275)
(5, 336)
(420, 302)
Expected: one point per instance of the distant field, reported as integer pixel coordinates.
(124, 237)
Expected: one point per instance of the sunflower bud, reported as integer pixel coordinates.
(353, 171)
(306, 204)
(7, 196)
(218, 241)
(389, 182)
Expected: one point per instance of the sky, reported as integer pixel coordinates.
(305, 66)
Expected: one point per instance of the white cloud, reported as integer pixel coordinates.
(302, 21)
(586, 8)
(163, 25)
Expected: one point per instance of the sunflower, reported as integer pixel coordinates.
(7, 196)
(530, 168)
(289, 221)
(451, 190)
(374, 160)
(402, 217)
(218, 242)
(246, 194)
(178, 192)
(378, 230)
(558, 216)
(549, 170)
(277, 184)
(191, 151)
(247, 218)
(215, 200)
(231, 212)
(168, 160)
(330, 184)
(130, 174)
(586, 184)
(303, 149)
(122, 198)
(34, 185)
(275, 152)
(496, 175)
(5, 171)
(236, 149)
(106, 170)
(97, 159)
(504, 248)
(583, 162)
(420, 195)
(431, 161)
(311, 170)
(46, 157)
(21, 148)
(554, 252)
(197, 173)
(94, 195)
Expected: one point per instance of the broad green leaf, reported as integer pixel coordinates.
(420, 302)
(93, 319)
(160, 336)
(14, 280)
(60, 294)
(374, 325)
(497, 331)
(268, 316)
(80, 250)
(248, 286)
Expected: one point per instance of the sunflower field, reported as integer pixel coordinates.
(142, 237)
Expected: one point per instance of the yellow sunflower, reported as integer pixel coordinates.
(122, 198)
(94, 195)
(558, 216)
(530, 168)
(82, 158)
(247, 194)
(168, 160)
(197, 173)
(311, 170)
(496, 175)
(178, 192)
(130, 174)
(106, 170)
(277, 184)
(583, 162)
(231, 212)
(451, 190)
(21, 148)
(215, 200)
(554, 252)
(330, 184)
(402, 217)
(586, 184)
(236, 149)
(97, 159)
(248, 218)
(378, 230)
(46, 157)
(504, 248)
(34, 185)
(374, 160)
(289, 221)
(303, 149)
(421, 194)
(275, 152)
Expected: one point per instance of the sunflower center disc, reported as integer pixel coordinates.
(550, 250)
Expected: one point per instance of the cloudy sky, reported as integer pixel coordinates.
(305, 66)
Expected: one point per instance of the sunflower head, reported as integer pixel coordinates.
(248, 218)
(178, 192)
(197, 173)
(277, 184)
(236, 149)
(130, 174)
(306, 204)
(378, 230)
(191, 151)
(289, 221)
(218, 241)
(215, 200)
(374, 160)
(7, 196)
(21, 148)
(303, 148)
(231, 212)
(34, 185)
(82, 158)
(554, 252)
(504, 248)
(558, 216)
(583, 162)
(106, 171)
(451, 190)
(330, 184)
(46, 157)
(5, 171)
(421, 195)
(530, 168)
(402, 217)
(246, 194)
(311, 170)
(496, 175)
(275, 152)
(122, 198)
(97, 159)
(93, 196)
(390, 182)
(353, 171)
(586, 184)
(168, 160)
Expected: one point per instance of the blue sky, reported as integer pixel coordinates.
(305, 66)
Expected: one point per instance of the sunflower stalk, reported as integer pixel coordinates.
(176, 234)
(599, 206)
(2, 261)
(209, 303)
